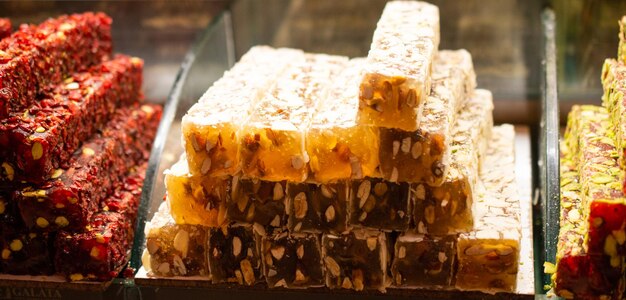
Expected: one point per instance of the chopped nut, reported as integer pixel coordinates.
(278, 252)
(416, 150)
(364, 192)
(406, 145)
(181, 242)
(9, 171)
(61, 221)
(396, 148)
(164, 268)
(300, 251)
(330, 213)
(297, 162)
(402, 252)
(429, 214)
(76, 277)
(275, 222)
(179, 265)
(380, 189)
(236, 246)
(57, 173)
(299, 276)
(394, 175)
(357, 280)
(332, 266)
(363, 216)
(442, 257)
(346, 284)
(37, 150)
(41, 222)
(300, 205)
(88, 151)
(281, 283)
(16, 245)
(206, 166)
(248, 272)
(153, 246)
(326, 191)
(6, 253)
(278, 191)
(371, 243)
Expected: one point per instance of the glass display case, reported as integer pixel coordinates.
(510, 57)
(514, 53)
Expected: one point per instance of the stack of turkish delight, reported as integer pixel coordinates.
(75, 136)
(310, 170)
(591, 249)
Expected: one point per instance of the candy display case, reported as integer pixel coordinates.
(511, 67)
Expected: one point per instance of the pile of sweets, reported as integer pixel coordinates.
(591, 250)
(310, 170)
(74, 141)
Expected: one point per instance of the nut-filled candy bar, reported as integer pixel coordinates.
(172, 249)
(72, 195)
(234, 255)
(396, 81)
(423, 262)
(34, 57)
(488, 256)
(356, 261)
(379, 204)
(423, 155)
(101, 250)
(196, 200)
(22, 252)
(292, 260)
(604, 205)
(43, 137)
(317, 208)
(273, 144)
(338, 147)
(446, 209)
(578, 273)
(212, 127)
(259, 202)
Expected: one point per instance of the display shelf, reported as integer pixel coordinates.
(214, 52)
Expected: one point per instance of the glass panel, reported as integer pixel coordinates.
(211, 55)
(506, 50)
(586, 35)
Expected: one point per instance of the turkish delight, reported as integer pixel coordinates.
(423, 154)
(173, 249)
(446, 209)
(421, 261)
(212, 127)
(44, 136)
(259, 202)
(356, 261)
(488, 256)
(339, 148)
(379, 204)
(22, 252)
(396, 79)
(578, 273)
(72, 195)
(273, 143)
(196, 200)
(234, 255)
(35, 56)
(317, 208)
(292, 260)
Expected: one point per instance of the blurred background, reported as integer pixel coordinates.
(504, 37)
